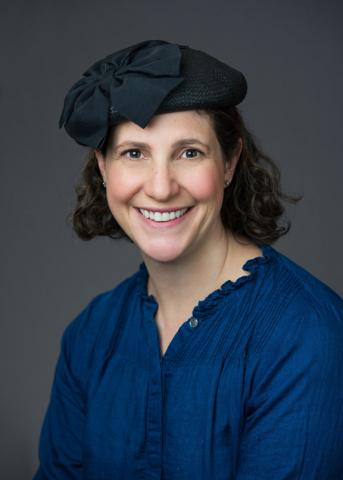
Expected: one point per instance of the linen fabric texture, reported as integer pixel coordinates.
(144, 79)
(252, 390)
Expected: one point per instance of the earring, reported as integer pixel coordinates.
(104, 183)
(227, 183)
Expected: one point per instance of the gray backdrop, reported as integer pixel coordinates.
(291, 54)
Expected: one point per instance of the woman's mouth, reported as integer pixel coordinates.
(164, 219)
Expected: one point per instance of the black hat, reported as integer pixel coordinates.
(145, 79)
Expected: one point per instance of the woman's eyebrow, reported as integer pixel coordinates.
(179, 142)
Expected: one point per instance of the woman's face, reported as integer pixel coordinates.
(174, 163)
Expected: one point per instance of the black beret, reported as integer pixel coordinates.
(145, 79)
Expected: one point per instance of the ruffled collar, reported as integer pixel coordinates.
(253, 266)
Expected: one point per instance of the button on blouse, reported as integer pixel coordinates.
(193, 322)
(250, 387)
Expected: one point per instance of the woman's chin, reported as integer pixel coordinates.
(163, 252)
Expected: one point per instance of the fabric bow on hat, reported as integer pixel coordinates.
(133, 82)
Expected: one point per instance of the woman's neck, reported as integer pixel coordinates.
(178, 286)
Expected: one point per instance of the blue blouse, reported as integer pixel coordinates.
(250, 387)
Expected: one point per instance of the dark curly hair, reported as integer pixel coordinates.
(252, 204)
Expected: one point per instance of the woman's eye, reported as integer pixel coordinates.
(192, 150)
(132, 150)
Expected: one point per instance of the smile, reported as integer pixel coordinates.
(163, 219)
(163, 216)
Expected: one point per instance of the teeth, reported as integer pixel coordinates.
(163, 217)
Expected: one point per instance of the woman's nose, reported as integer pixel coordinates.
(161, 183)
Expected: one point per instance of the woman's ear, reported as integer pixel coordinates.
(231, 163)
(101, 163)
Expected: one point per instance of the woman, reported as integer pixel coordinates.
(220, 358)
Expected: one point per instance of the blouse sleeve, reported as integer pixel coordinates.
(294, 417)
(60, 439)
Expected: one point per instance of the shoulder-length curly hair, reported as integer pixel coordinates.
(252, 204)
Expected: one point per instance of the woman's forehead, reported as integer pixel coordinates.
(171, 126)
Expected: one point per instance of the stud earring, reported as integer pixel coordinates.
(227, 183)
(104, 183)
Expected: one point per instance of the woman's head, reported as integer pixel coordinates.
(175, 164)
(157, 93)
(250, 206)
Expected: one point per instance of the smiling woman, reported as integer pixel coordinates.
(163, 178)
(220, 357)
(253, 199)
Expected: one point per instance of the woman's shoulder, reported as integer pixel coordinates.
(301, 286)
(299, 309)
(100, 317)
(311, 283)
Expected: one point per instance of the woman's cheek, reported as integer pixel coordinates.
(205, 184)
(122, 186)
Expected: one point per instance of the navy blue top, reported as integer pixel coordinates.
(250, 387)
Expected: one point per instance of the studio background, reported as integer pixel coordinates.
(291, 54)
